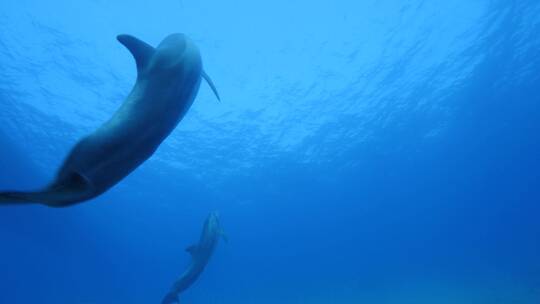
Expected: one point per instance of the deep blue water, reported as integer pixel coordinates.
(363, 152)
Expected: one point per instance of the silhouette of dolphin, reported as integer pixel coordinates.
(168, 79)
(200, 255)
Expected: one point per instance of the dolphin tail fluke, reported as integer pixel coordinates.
(211, 84)
(73, 190)
(171, 298)
(51, 198)
(18, 198)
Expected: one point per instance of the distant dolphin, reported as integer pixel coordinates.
(200, 255)
(168, 79)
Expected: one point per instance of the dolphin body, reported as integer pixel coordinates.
(168, 79)
(200, 255)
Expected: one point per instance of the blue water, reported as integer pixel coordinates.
(376, 151)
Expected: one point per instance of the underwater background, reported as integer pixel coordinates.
(376, 151)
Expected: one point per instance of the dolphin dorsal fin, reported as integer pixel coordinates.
(192, 249)
(210, 83)
(140, 50)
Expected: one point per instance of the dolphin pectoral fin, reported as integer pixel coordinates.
(75, 181)
(224, 236)
(192, 249)
(211, 84)
(140, 50)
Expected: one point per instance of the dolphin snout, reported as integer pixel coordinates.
(176, 41)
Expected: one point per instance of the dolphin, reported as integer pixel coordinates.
(168, 79)
(200, 255)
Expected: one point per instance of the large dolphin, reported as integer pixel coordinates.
(168, 79)
(200, 255)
